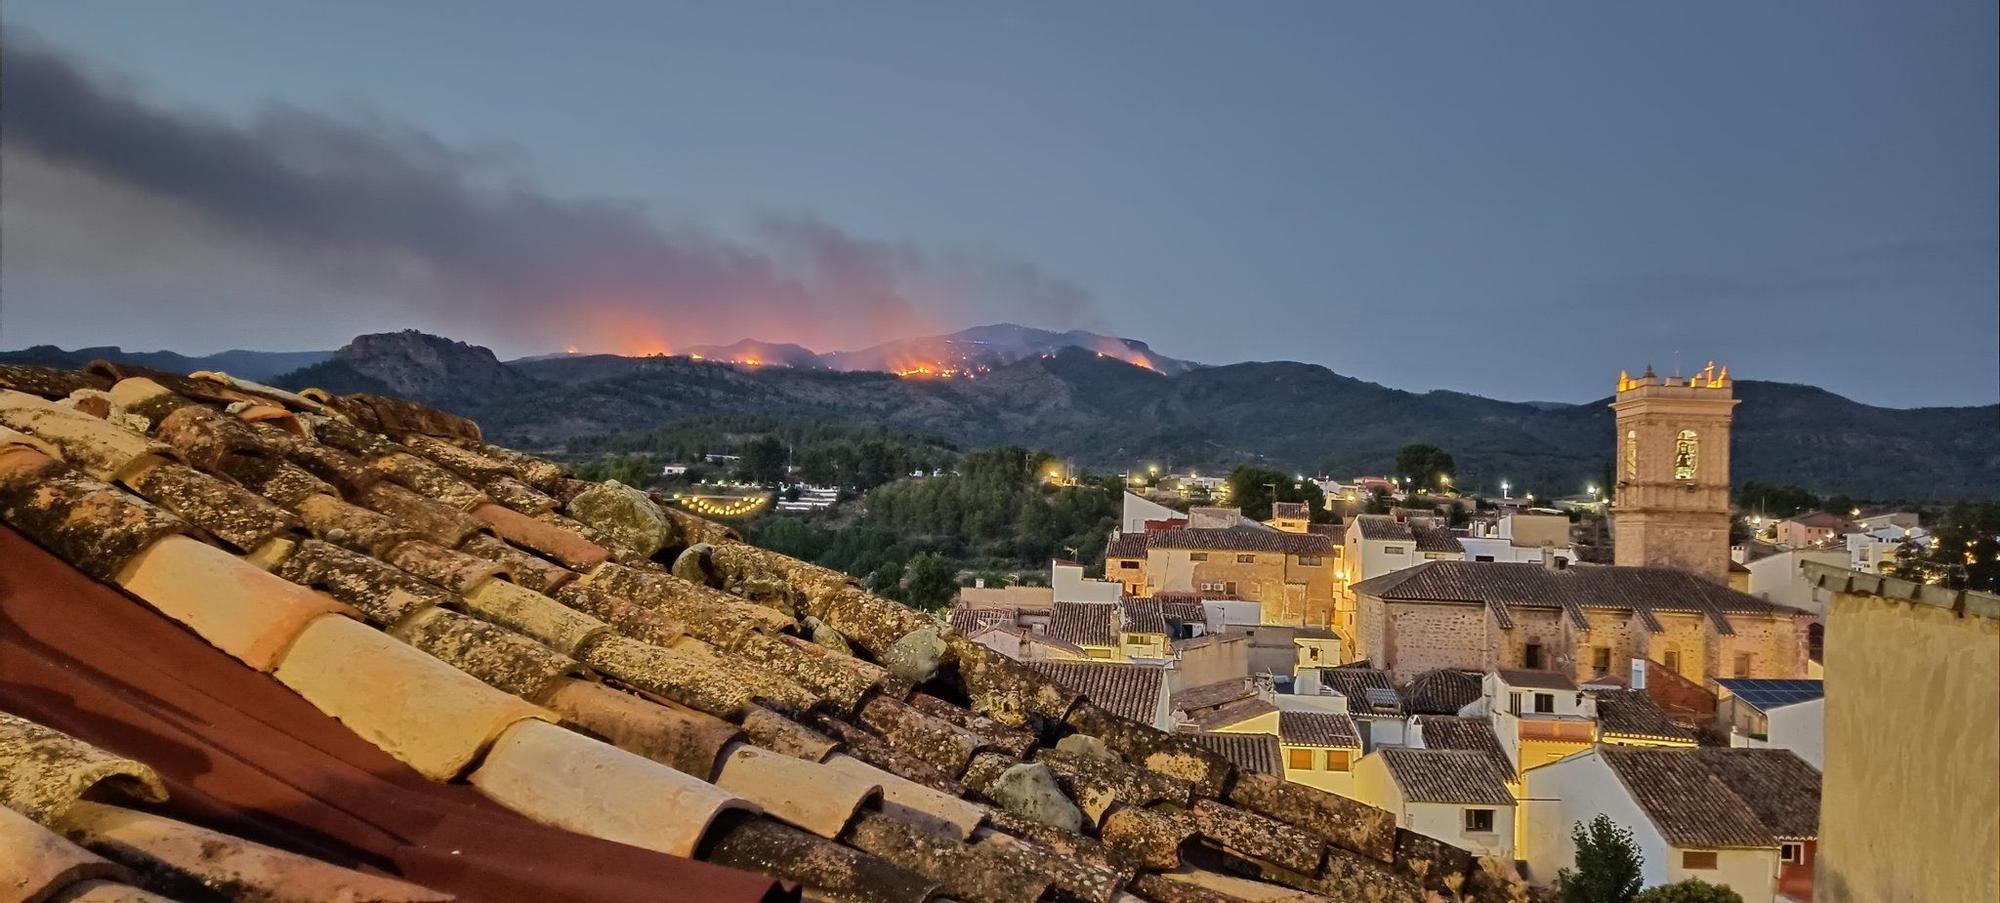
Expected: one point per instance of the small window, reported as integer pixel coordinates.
(1792, 853)
(1691, 859)
(1246, 559)
(1197, 556)
(1600, 658)
(1129, 565)
(1482, 558)
(1532, 656)
(1394, 550)
(1545, 703)
(1478, 821)
(1309, 561)
(1299, 759)
(1336, 760)
(1672, 660)
(1742, 664)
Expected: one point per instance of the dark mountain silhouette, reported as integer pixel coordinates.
(1102, 411)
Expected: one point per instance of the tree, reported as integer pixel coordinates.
(1693, 890)
(1425, 464)
(1607, 864)
(930, 581)
(1775, 502)
(764, 461)
(1250, 488)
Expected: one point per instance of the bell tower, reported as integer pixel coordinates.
(1671, 507)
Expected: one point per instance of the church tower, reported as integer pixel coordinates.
(1672, 472)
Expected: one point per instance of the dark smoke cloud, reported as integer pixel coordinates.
(411, 224)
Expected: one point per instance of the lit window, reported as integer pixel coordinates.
(1691, 859)
(1687, 451)
(1299, 759)
(1478, 821)
(1309, 561)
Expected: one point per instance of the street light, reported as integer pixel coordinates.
(1504, 487)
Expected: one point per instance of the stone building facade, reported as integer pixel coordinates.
(1581, 621)
(1671, 501)
(1289, 575)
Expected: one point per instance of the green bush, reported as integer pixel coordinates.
(1693, 890)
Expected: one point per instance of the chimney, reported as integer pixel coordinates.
(1550, 559)
(1638, 674)
(979, 582)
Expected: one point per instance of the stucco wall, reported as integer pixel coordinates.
(1446, 822)
(1917, 817)
(1801, 728)
(1753, 874)
(1578, 789)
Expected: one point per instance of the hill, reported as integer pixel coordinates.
(1103, 412)
(260, 366)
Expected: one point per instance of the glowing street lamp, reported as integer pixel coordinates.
(1505, 487)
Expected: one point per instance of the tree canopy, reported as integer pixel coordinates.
(1692, 890)
(1426, 465)
(1607, 864)
(1250, 489)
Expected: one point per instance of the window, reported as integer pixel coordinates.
(1129, 565)
(1197, 556)
(1478, 821)
(1600, 658)
(1309, 561)
(1336, 760)
(1691, 859)
(1300, 759)
(1246, 559)
(1672, 659)
(1792, 853)
(1742, 664)
(1631, 453)
(1394, 550)
(1545, 703)
(1229, 587)
(1687, 452)
(1482, 558)
(1532, 656)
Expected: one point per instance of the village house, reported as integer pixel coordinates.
(1518, 536)
(1911, 744)
(1811, 531)
(1870, 549)
(1457, 796)
(1288, 575)
(1744, 818)
(1780, 714)
(1582, 620)
(1368, 695)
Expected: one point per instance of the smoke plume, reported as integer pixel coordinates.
(299, 229)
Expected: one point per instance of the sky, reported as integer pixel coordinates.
(1514, 200)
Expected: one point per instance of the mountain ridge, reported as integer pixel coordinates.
(1105, 412)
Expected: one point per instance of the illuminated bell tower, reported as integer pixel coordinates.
(1672, 503)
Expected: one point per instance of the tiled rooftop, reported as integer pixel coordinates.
(1442, 691)
(1318, 729)
(592, 664)
(1573, 590)
(1463, 777)
(1290, 511)
(1369, 691)
(1084, 623)
(1241, 539)
(1632, 713)
(1468, 734)
(1715, 797)
(1251, 752)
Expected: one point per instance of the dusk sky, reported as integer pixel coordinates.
(1515, 200)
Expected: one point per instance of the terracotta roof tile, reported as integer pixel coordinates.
(1131, 692)
(1572, 590)
(1240, 539)
(1235, 712)
(1126, 545)
(1441, 691)
(1084, 623)
(485, 593)
(1464, 777)
(1470, 734)
(1318, 729)
(1533, 679)
(1258, 753)
(1290, 510)
(1632, 713)
(1369, 691)
(1700, 797)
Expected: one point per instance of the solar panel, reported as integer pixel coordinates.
(1774, 693)
(1382, 697)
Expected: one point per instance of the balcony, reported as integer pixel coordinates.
(1557, 728)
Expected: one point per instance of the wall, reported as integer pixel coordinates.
(1212, 658)
(1340, 782)
(1410, 638)
(1578, 789)
(1781, 578)
(1800, 728)
(1069, 585)
(1446, 822)
(1917, 818)
(1289, 592)
(1753, 874)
